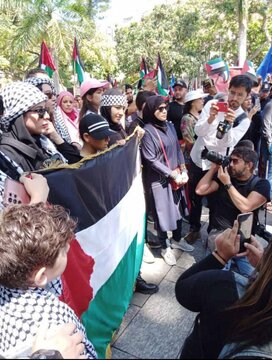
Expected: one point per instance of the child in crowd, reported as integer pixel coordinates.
(34, 242)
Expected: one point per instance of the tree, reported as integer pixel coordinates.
(189, 34)
(27, 23)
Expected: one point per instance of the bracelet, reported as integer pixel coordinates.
(217, 253)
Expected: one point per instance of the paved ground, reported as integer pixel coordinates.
(156, 326)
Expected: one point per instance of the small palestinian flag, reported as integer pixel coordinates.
(248, 69)
(162, 82)
(218, 66)
(143, 68)
(77, 64)
(46, 62)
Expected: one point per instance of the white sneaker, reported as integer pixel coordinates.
(181, 245)
(168, 256)
(148, 256)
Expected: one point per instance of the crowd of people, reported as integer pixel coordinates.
(201, 147)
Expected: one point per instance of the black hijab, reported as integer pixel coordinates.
(151, 105)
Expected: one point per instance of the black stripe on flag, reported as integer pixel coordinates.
(94, 189)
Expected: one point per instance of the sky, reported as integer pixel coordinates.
(121, 12)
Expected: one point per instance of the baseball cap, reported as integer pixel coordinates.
(181, 83)
(96, 126)
(207, 82)
(265, 87)
(194, 94)
(92, 84)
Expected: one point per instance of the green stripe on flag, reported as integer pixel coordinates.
(110, 304)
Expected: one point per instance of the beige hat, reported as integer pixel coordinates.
(194, 94)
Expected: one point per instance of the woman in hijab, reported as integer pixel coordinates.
(29, 137)
(46, 86)
(162, 162)
(70, 116)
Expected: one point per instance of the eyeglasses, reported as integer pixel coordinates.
(162, 108)
(234, 93)
(41, 112)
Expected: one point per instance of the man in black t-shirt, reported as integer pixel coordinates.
(175, 111)
(237, 189)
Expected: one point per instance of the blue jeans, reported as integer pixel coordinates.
(242, 264)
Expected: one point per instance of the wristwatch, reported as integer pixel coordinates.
(228, 186)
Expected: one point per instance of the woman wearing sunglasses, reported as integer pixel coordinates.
(29, 137)
(163, 162)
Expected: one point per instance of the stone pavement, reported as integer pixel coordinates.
(155, 326)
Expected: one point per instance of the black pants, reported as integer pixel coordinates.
(195, 175)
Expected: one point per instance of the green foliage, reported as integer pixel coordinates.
(24, 24)
(189, 34)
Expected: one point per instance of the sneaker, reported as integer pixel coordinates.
(168, 256)
(148, 256)
(192, 236)
(181, 245)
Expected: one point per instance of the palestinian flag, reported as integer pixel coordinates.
(106, 196)
(162, 82)
(218, 66)
(77, 64)
(143, 68)
(248, 69)
(46, 62)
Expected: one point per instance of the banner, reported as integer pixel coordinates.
(106, 196)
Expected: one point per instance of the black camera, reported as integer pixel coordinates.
(215, 157)
(222, 128)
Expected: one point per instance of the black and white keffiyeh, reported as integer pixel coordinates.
(59, 123)
(113, 100)
(23, 311)
(18, 98)
(36, 81)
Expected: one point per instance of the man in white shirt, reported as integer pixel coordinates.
(206, 130)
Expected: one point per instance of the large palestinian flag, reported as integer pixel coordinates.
(106, 196)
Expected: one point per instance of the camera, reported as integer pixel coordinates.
(222, 128)
(215, 157)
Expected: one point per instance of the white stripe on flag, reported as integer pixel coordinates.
(108, 240)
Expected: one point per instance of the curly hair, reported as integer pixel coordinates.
(31, 236)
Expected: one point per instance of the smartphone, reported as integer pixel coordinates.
(245, 222)
(222, 106)
(14, 193)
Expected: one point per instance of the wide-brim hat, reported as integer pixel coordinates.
(92, 84)
(96, 126)
(194, 94)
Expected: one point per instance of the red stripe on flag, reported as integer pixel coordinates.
(46, 58)
(77, 291)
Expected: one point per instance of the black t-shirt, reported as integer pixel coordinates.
(174, 115)
(226, 212)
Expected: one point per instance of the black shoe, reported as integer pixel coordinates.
(144, 288)
(154, 242)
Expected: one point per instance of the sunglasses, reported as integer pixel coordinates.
(162, 108)
(41, 112)
(49, 95)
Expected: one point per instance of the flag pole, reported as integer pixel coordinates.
(74, 70)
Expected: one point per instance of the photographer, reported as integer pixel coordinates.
(238, 191)
(219, 131)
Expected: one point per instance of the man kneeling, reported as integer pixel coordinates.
(238, 191)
